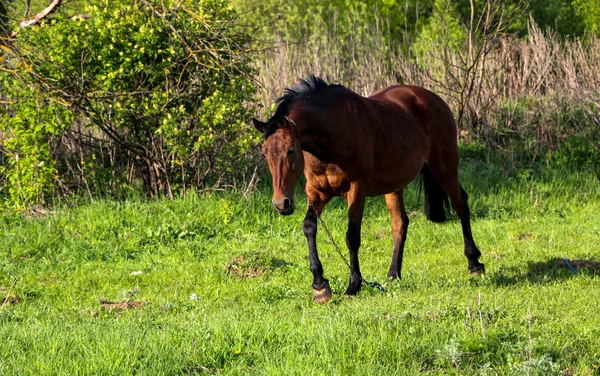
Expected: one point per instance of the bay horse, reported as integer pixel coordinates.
(351, 146)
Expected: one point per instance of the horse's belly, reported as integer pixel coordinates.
(387, 175)
(394, 175)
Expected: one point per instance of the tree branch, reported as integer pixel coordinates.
(52, 7)
(27, 9)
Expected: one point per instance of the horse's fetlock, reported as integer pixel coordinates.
(321, 284)
(316, 270)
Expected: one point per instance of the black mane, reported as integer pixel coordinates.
(310, 85)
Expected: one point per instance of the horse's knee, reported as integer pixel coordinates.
(309, 226)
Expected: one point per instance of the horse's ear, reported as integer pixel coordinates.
(259, 125)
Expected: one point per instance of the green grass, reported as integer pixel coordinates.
(257, 317)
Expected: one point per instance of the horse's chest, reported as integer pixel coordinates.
(338, 181)
(327, 177)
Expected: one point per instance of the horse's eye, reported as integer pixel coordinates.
(290, 151)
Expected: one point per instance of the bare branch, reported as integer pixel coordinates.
(52, 7)
(27, 9)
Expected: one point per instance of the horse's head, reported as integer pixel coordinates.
(286, 161)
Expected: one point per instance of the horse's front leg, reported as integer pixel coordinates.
(356, 205)
(321, 288)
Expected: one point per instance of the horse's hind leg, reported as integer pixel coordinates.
(444, 166)
(459, 198)
(395, 204)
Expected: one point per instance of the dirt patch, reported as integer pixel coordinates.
(431, 316)
(194, 370)
(590, 265)
(121, 306)
(495, 255)
(241, 268)
(38, 212)
(10, 299)
(522, 237)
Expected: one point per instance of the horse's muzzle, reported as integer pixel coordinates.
(286, 211)
(284, 206)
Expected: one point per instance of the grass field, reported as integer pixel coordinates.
(225, 288)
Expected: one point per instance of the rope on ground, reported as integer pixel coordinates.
(569, 265)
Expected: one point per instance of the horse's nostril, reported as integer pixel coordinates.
(286, 203)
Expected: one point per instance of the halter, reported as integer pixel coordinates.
(293, 122)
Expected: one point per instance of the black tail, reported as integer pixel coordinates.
(436, 198)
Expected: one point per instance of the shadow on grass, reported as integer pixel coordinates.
(280, 263)
(542, 272)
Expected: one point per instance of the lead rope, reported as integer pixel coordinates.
(329, 234)
(371, 284)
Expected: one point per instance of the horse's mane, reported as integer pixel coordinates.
(310, 85)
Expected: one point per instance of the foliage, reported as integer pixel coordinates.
(294, 20)
(405, 20)
(198, 316)
(162, 84)
(35, 119)
(525, 96)
(559, 15)
(111, 97)
(443, 29)
(589, 12)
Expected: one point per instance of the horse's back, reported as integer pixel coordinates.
(384, 140)
(424, 106)
(432, 116)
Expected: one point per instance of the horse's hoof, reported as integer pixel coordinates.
(478, 270)
(323, 295)
(352, 291)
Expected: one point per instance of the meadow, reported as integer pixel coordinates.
(218, 283)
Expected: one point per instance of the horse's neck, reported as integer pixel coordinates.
(319, 126)
(314, 139)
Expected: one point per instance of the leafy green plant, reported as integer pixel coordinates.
(589, 12)
(29, 167)
(164, 85)
(296, 20)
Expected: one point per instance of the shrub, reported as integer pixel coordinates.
(137, 90)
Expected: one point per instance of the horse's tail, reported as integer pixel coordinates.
(436, 198)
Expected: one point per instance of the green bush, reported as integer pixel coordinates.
(589, 12)
(159, 89)
(30, 168)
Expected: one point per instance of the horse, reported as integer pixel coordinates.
(352, 146)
